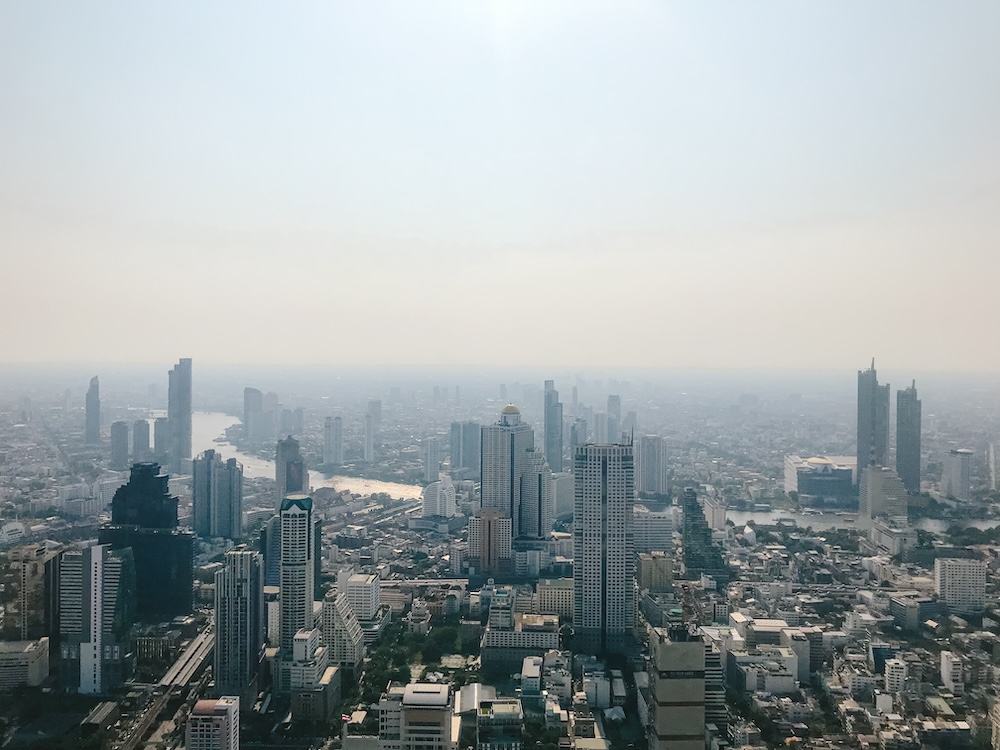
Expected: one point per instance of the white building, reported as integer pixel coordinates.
(896, 672)
(555, 597)
(881, 493)
(364, 595)
(432, 458)
(653, 529)
(342, 632)
(439, 499)
(603, 547)
(417, 717)
(296, 569)
(333, 441)
(956, 477)
(23, 663)
(960, 583)
(537, 497)
(951, 673)
(214, 724)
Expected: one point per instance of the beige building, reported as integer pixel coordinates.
(23, 663)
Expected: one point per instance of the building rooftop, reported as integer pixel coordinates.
(425, 694)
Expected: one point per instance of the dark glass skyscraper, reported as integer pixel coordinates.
(239, 624)
(553, 427)
(908, 438)
(92, 428)
(144, 517)
(873, 419)
(701, 555)
(179, 413)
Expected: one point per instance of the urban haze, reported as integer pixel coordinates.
(499, 376)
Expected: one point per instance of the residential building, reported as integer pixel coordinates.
(97, 590)
(960, 584)
(651, 468)
(956, 477)
(603, 547)
(32, 608)
(297, 569)
(141, 449)
(873, 418)
(553, 427)
(217, 496)
(179, 413)
(701, 555)
(119, 446)
(881, 494)
(537, 497)
(290, 474)
(214, 724)
(504, 448)
(92, 426)
(654, 527)
(908, 438)
(432, 459)
(342, 632)
(465, 437)
(439, 499)
(239, 624)
(490, 533)
(333, 441)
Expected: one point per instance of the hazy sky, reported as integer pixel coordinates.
(761, 184)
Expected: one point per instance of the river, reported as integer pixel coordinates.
(207, 426)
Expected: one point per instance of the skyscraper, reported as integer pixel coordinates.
(432, 459)
(908, 438)
(369, 438)
(290, 475)
(553, 427)
(33, 610)
(375, 409)
(490, 541)
(537, 499)
(179, 413)
(615, 408)
(141, 450)
(956, 477)
(677, 690)
(97, 589)
(465, 437)
(239, 623)
(92, 429)
(504, 449)
(603, 554)
(342, 632)
(119, 446)
(333, 441)
(217, 496)
(701, 555)
(144, 517)
(873, 419)
(161, 440)
(297, 572)
(651, 465)
(253, 414)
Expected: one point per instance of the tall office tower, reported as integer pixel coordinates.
(701, 555)
(297, 569)
(881, 495)
(33, 610)
(654, 528)
(432, 459)
(144, 517)
(217, 496)
(651, 465)
(375, 410)
(465, 438)
(615, 408)
(333, 441)
(290, 475)
(960, 583)
(119, 446)
(490, 536)
(179, 413)
(537, 497)
(577, 434)
(342, 632)
(92, 428)
(956, 477)
(603, 552)
(239, 623)
(677, 690)
(908, 438)
(439, 499)
(715, 689)
(214, 724)
(253, 414)
(504, 449)
(575, 402)
(97, 589)
(873, 418)
(141, 450)
(629, 422)
(161, 439)
(553, 427)
(369, 438)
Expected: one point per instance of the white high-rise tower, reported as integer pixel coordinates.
(504, 451)
(297, 540)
